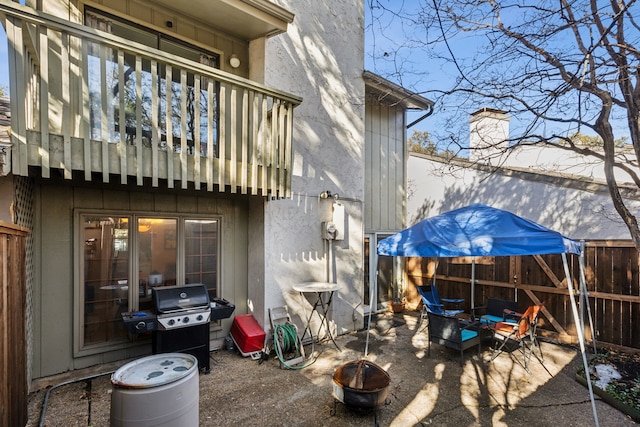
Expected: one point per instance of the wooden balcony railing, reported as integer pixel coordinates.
(85, 100)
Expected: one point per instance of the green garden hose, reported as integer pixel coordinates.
(286, 341)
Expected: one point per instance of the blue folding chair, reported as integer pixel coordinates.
(432, 303)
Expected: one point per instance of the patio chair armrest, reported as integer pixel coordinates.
(510, 314)
(480, 307)
(452, 300)
(503, 327)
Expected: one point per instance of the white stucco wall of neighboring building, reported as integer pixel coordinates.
(580, 209)
(321, 59)
(556, 160)
(489, 144)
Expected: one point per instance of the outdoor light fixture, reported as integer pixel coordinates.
(234, 61)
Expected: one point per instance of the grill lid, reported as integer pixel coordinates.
(169, 299)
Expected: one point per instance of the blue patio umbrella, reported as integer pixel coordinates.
(476, 230)
(480, 230)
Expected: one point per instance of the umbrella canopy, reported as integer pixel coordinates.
(480, 230)
(476, 230)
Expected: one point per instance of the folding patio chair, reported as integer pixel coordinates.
(506, 335)
(432, 303)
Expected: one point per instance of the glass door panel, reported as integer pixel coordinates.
(106, 272)
(157, 254)
(201, 253)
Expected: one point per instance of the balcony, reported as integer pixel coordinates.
(86, 101)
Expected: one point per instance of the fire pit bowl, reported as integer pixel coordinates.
(361, 384)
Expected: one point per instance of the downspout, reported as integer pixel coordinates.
(424, 116)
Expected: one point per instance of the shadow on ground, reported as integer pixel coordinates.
(423, 391)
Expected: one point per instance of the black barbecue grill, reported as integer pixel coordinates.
(183, 316)
(180, 320)
(181, 306)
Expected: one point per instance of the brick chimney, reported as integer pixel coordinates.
(488, 135)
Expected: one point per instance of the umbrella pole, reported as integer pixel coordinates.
(577, 319)
(473, 284)
(373, 296)
(366, 346)
(584, 292)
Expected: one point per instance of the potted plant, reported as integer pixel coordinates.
(397, 302)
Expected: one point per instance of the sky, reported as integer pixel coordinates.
(396, 50)
(405, 64)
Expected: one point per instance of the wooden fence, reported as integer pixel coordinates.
(13, 349)
(612, 278)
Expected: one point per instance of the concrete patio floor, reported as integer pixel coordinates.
(423, 391)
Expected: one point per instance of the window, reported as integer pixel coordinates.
(201, 254)
(122, 263)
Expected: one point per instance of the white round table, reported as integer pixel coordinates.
(323, 292)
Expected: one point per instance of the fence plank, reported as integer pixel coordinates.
(255, 111)
(233, 148)
(155, 128)
(122, 120)
(85, 100)
(210, 135)
(183, 128)
(244, 166)
(222, 140)
(138, 138)
(13, 347)
(44, 100)
(264, 149)
(106, 112)
(169, 125)
(197, 179)
(66, 107)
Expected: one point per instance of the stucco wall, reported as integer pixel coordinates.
(580, 213)
(321, 59)
(551, 159)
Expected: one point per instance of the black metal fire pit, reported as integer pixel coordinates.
(361, 385)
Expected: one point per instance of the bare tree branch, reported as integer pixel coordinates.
(557, 66)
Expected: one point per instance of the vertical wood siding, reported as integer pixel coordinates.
(385, 157)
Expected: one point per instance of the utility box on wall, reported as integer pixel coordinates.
(338, 220)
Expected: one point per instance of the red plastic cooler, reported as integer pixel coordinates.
(247, 334)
